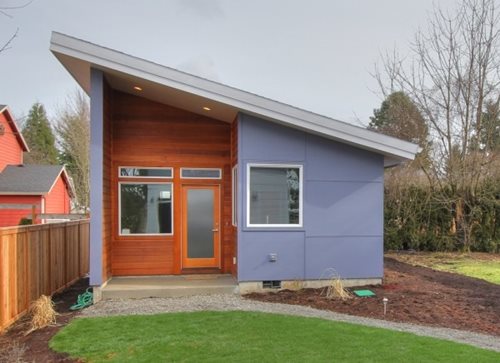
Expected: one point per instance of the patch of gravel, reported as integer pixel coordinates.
(237, 303)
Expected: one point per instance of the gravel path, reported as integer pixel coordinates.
(234, 302)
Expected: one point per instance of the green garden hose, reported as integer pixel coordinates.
(84, 300)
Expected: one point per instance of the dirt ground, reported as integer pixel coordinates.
(16, 347)
(417, 295)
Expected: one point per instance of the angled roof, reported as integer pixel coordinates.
(10, 119)
(31, 179)
(179, 89)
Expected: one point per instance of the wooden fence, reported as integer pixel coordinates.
(39, 259)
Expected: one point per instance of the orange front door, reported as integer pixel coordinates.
(200, 226)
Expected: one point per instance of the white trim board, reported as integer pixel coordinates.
(301, 196)
(78, 56)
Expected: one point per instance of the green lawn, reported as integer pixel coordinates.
(249, 337)
(484, 266)
(486, 270)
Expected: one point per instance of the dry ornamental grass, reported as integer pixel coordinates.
(335, 288)
(42, 313)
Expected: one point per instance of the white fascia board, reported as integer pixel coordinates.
(65, 175)
(108, 59)
(14, 125)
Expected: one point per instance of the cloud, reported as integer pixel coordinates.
(209, 9)
(202, 66)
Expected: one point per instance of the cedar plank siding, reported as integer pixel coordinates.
(12, 217)
(146, 133)
(11, 153)
(58, 200)
(107, 182)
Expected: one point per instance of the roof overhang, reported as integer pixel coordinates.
(19, 136)
(192, 93)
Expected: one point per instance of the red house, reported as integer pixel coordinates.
(12, 143)
(47, 187)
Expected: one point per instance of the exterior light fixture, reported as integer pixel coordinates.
(137, 88)
(206, 108)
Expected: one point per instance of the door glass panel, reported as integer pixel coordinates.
(200, 204)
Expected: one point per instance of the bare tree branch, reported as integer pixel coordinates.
(9, 42)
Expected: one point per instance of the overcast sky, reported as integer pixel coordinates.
(313, 54)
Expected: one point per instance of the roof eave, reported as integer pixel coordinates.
(63, 46)
(65, 175)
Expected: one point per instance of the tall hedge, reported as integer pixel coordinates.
(416, 219)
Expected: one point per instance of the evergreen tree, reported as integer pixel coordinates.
(489, 132)
(399, 117)
(40, 138)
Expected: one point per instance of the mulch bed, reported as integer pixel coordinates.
(34, 347)
(417, 295)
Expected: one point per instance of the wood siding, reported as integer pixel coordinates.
(145, 133)
(11, 152)
(36, 260)
(107, 183)
(58, 200)
(12, 217)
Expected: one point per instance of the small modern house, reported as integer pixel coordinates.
(193, 176)
(46, 187)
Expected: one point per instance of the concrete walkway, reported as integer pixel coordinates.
(234, 302)
(139, 287)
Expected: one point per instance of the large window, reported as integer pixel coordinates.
(145, 208)
(274, 195)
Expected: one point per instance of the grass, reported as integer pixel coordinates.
(480, 265)
(249, 337)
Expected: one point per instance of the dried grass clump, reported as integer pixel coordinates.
(335, 288)
(42, 313)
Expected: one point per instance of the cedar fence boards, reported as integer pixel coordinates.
(39, 259)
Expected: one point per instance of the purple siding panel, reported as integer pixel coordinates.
(329, 160)
(277, 143)
(96, 172)
(343, 207)
(351, 257)
(255, 250)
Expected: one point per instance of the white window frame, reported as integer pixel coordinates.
(301, 195)
(120, 210)
(205, 177)
(234, 195)
(145, 177)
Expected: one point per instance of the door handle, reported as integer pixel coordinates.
(215, 230)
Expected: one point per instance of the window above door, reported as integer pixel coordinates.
(201, 173)
(144, 172)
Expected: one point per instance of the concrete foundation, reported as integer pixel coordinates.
(247, 287)
(137, 287)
